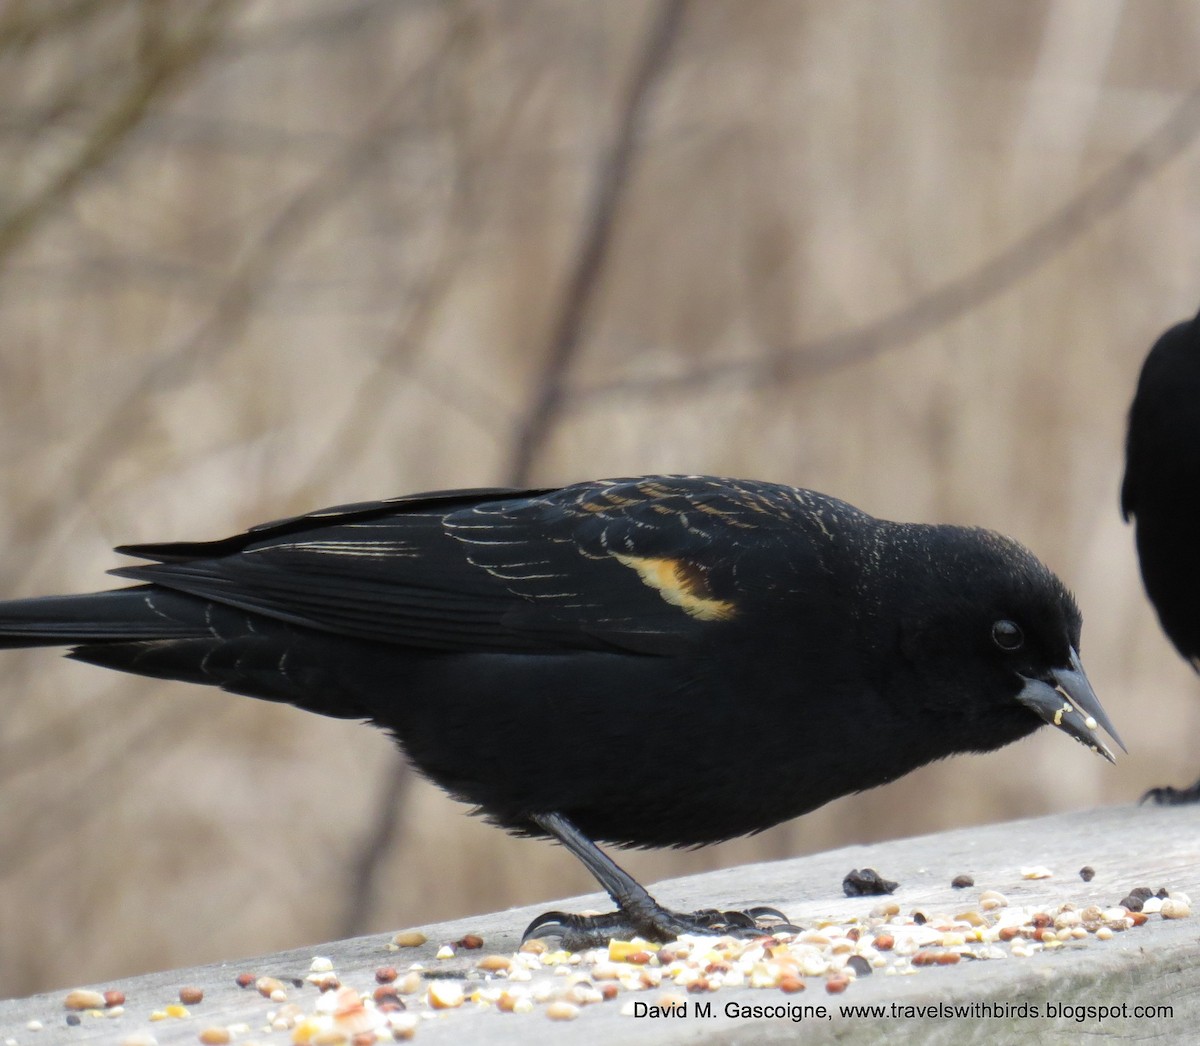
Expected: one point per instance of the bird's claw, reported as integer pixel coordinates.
(1168, 796)
(660, 926)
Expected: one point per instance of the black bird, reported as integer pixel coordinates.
(664, 661)
(1161, 494)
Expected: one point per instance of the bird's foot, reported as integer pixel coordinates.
(1168, 796)
(659, 925)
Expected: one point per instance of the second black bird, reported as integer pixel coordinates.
(664, 661)
(1161, 494)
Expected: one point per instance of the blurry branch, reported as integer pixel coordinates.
(378, 388)
(162, 68)
(944, 304)
(612, 179)
(286, 33)
(23, 25)
(381, 837)
(233, 305)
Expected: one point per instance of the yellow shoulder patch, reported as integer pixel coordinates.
(681, 584)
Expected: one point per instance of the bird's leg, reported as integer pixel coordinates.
(638, 914)
(1168, 796)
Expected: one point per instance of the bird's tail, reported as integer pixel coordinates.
(118, 616)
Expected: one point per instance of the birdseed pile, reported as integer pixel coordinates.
(640, 978)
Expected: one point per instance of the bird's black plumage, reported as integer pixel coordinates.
(548, 655)
(1160, 493)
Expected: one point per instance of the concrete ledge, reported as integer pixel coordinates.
(1156, 964)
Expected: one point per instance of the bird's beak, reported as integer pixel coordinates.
(1068, 702)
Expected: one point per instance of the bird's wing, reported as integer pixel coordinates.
(647, 565)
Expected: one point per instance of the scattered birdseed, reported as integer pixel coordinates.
(34, 1025)
(866, 883)
(1037, 872)
(244, 980)
(84, 999)
(445, 995)
(269, 986)
(561, 984)
(190, 995)
(73, 1019)
(409, 939)
(445, 952)
(1175, 908)
(113, 997)
(470, 941)
(1087, 873)
(961, 882)
(562, 1011)
(494, 963)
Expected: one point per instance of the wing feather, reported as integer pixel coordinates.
(646, 565)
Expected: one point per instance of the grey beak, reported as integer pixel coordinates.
(1068, 702)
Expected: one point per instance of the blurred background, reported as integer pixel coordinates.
(261, 256)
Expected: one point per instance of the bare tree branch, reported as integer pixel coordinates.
(162, 69)
(382, 835)
(612, 179)
(944, 304)
(23, 25)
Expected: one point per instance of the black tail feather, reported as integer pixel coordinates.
(120, 615)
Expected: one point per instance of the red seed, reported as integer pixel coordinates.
(609, 991)
(791, 984)
(113, 997)
(1007, 933)
(245, 980)
(190, 995)
(836, 985)
(947, 958)
(638, 958)
(700, 984)
(470, 941)
(386, 974)
(885, 942)
(1041, 919)
(386, 993)
(1138, 918)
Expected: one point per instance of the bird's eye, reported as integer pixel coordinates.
(1007, 635)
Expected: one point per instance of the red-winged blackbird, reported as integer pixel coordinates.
(665, 661)
(1161, 492)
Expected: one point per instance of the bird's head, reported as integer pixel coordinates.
(994, 635)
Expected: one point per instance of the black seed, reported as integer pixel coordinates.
(859, 965)
(1134, 904)
(919, 918)
(961, 882)
(1163, 893)
(73, 1019)
(1144, 892)
(866, 883)
(1087, 873)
